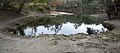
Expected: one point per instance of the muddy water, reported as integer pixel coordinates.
(64, 24)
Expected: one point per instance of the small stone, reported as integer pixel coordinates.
(105, 38)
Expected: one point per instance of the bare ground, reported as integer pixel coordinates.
(79, 43)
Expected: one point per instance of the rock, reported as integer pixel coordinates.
(108, 25)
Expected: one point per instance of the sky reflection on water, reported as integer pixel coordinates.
(66, 25)
(67, 29)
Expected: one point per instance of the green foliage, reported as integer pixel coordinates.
(42, 8)
(13, 4)
(40, 5)
(19, 5)
(43, 1)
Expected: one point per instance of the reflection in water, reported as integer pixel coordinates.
(67, 29)
(61, 25)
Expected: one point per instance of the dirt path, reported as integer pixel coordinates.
(57, 44)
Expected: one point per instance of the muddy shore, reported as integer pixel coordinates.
(79, 43)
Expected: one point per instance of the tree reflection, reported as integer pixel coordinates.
(57, 28)
(76, 25)
(47, 26)
(21, 31)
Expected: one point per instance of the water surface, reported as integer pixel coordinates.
(66, 25)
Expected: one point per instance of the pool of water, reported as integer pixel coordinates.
(66, 25)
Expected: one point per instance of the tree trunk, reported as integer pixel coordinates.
(21, 6)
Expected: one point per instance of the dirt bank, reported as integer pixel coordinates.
(78, 43)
